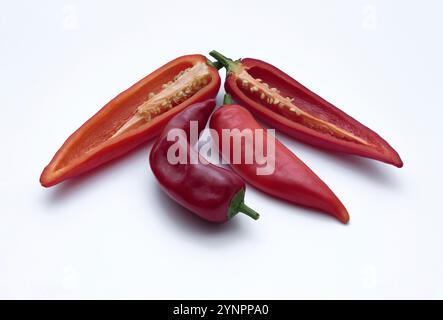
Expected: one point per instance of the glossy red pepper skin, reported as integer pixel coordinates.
(213, 193)
(291, 180)
(90, 146)
(376, 148)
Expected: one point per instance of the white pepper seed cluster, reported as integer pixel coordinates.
(273, 98)
(184, 85)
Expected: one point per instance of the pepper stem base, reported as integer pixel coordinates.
(227, 99)
(228, 63)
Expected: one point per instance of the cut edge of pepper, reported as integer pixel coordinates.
(382, 150)
(53, 173)
(384, 153)
(235, 67)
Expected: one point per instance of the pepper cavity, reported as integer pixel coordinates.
(183, 86)
(292, 108)
(262, 92)
(133, 117)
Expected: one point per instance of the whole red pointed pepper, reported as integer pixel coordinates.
(287, 105)
(134, 116)
(291, 179)
(213, 193)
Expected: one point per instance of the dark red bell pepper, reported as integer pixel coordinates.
(134, 116)
(291, 179)
(287, 105)
(213, 193)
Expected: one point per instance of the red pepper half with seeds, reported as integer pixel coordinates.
(134, 116)
(213, 193)
(288, 106)
(291, 179)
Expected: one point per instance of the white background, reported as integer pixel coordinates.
(114, 234)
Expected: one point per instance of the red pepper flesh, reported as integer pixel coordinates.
(288, 106)
(213, 193)
(291, 180)
(134, 116)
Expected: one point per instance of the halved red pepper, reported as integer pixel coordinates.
(134, 116)
(288, 106)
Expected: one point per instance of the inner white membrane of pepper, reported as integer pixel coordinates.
(272, 97)
(184, 85)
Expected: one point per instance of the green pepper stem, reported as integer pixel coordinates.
(238, 205)
(227, 99)
(215, 64)
(242, 207)
(228, 63)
